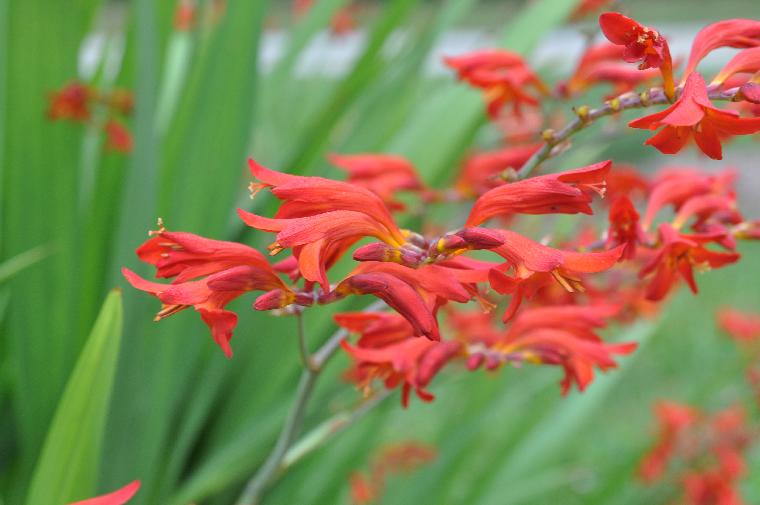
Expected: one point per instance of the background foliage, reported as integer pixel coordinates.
(192, 425)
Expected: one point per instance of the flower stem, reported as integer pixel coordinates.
(313, 365)
(585, 117)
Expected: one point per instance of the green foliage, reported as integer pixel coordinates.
(69, 462)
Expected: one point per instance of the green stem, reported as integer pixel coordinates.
(313, 365)
(553, 141)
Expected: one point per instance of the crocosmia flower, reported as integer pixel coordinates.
(738, 33)
(208, 275)
(642, 44)
(693, 115)
(742, 326)
(118, 497)
(320, 219)
(502, 75)
(118, 138)
(566, 192)
(72, 102)
(383, 174)
(678, 256)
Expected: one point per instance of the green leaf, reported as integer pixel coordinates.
(68, 466)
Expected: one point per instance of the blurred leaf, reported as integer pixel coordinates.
(16, 264)
(68, 466)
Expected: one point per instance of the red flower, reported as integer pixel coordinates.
(399, 294)
(566, 192)
(694, 114)
(600, 64)
(184, 15)
(383, 174)
(118, 137)
(746, 62)
(72, 102)
(562, 336)
(502, 75)
(642, 44)
(408, 361)
(118, 497)
(673, 420)
(742, 326)
(480, 170)
(535, 266)
(677, 257)
(739, 33)
(402, 457)
(320, 219)
(587, 7)
(624, 227)
(228, 270)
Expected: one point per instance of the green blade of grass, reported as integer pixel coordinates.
(68, 466)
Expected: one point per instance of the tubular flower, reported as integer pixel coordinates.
(705, 453)
(737, 33)
(397, 458)
(383, 174)
(228, 270)
(694, 114)
(624, 227)
(599, 64)
(118, 497)
(408, 361)
(118, 138)
(677, 186)
(502, 75)
(742, 326)
(565, 193)
(480, 170)
(320, 219)
(562, 336)
(72, 102)
(398, 294)
(678, 255)
(626, 181)
(745, 62)
(535, 266)
(673, 419)
(642, 44)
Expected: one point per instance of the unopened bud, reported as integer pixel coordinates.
(481, 238)
(275, 299)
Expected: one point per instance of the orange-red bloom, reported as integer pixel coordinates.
(407, 361)
(746, 62)
(502, 75)
(642, 44)
(565, 193)
(624, 227)
(694, 115)
(673, 419)
(599, 64)
(118, 137)
(557, 335)
(677, 257)
(536, 266)
(72, 102)
(118, 497)
(209, 274)
(320, 219)
(738, 33)
(401, 457)
(480, 170)
(742, 326)
(383, 174)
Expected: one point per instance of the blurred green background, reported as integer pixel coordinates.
(159, 402)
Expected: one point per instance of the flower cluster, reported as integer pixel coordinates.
(480, 291)
(703, 454)
(76, 102)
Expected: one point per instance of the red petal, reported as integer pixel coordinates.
(118, 497)
(617, 28)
